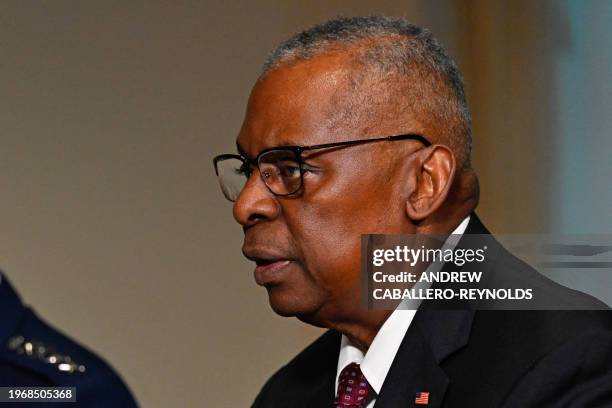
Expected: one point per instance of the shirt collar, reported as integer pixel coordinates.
(375, 364)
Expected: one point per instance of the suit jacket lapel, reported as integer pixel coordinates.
(413, 370)
(323, 394)
(432, 336)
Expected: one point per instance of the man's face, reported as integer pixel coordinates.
(307, 246)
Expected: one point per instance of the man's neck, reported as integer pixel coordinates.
(362, 331)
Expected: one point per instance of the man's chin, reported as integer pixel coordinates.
(288, 304)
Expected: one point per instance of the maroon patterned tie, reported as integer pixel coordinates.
(353, 388)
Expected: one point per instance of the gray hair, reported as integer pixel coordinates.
(411, 50)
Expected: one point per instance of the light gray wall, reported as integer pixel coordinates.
(113, 226)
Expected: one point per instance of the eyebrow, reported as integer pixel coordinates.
(243, 153)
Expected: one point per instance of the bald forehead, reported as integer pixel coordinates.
(325, 98)
(317, 79)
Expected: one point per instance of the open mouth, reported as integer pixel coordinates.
(268, 271)
(267, 264)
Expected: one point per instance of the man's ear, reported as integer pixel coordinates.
(435, 171)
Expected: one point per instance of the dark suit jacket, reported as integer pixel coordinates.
(475, 358)
(31, 352)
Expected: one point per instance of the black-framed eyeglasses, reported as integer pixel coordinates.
(281, 167)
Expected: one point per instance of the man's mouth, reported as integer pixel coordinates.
(269, 268)
(269, 271)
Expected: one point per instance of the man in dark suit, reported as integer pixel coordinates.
(35, 354)
(360, 125)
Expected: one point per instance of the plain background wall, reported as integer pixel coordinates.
(113, 226)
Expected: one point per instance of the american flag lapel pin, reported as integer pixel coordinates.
(422, 398)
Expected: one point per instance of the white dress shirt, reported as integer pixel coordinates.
(376, 362)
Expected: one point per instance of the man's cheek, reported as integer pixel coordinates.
(334, 221)
(337, 260)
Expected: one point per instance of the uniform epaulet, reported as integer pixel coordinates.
(37, 350)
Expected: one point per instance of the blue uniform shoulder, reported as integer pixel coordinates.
(33, 353)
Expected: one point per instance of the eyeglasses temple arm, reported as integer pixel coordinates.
(363, 141)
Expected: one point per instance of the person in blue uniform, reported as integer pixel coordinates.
(34, 354)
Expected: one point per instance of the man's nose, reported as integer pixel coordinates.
(255, 203)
